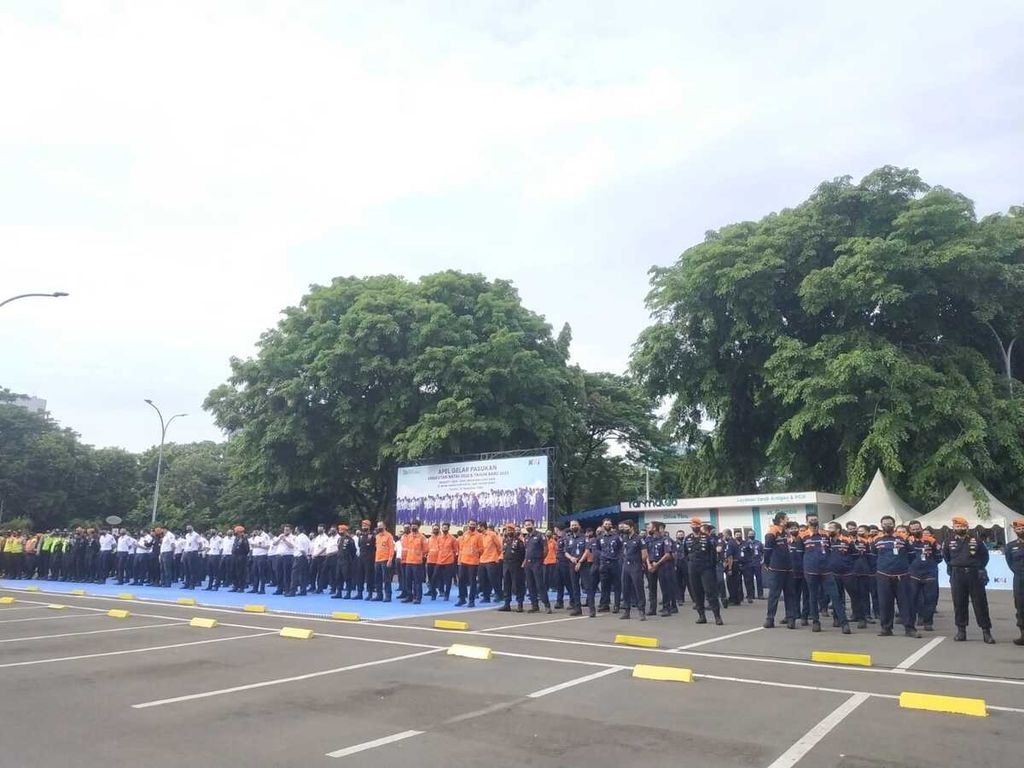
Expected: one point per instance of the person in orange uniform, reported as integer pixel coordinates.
(444, 568)
(384, 561)
(414, 554)
(490, 565)
(551, 562)
(432, 542)
(471, 546)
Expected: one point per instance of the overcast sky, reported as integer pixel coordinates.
(187, 170)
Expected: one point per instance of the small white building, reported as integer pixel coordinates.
(752, 512)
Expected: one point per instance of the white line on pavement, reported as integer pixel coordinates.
(710, 640)
(92, 632)
(50, 618)
(792, 686)
(531, 624)
(917, 655)
(35, 607)
(806, 742)
(135, 650)
(375, 743)
(279, 681)
(558, 660)
(571, 683)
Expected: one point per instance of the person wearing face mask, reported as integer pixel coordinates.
(967, 556)
(751, 562)
(634, 563)
(863, 576)
(840, 566)
(608, 549)
(1014, 552)
(816, 572)
(701, 552)
(659, 568)
(925, 557)
(384, 560)
(575, 549)
(892, 577)
(513, 552)
(364, 571)
(471, 546)
(533, 565)
(778, 567)
(682, 569)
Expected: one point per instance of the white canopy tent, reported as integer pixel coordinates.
(878, 500)
(960, 503)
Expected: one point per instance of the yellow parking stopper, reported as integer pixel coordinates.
(33, 588)
(126, 596)
(828, 657)
(343, 616)
(203, 623)
(7, 600)
(56, 607)
(118, 613)
(255, 608)
(668, 674)
(471, 652)
(297, 633)
(77, 592)
(953, 705)
(186, 601)
(445, 624)
(642, 642)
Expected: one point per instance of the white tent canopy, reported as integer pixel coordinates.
(878, 500)
(960, 503)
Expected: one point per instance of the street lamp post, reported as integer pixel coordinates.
(54, 295)
(160, 454)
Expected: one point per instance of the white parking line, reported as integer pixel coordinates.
(134, 650)
(375, 743)
(91, 632)
(35, 607)
(711, 640)
(806, 742)
(50, 618)
(917, 655)
(531, 624)
(279, 681)
(577, 681)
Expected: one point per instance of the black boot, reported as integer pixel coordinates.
(862, 624)
(593, 615)
(986, 636)
(576, 612)
(769, 624)
(519, 608)
(846, 629)
(701, 618)
(790, 623)
(961, 634)
(625, 614)
(643, 616)
(506, 608)
(816, 626)
(911, 632)
(718, 619)
(1020, 640)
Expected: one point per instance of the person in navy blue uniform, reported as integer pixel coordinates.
(1014, 552)
(609, 566)
(634, 563)
(533, 564)
(574, 547)
(701, 552)
(801, 595)
(892, 577)
(840, 566)
(862, 577)
(682, 569)
(563, 571)
(925, 556)
(816, 572)
(660, 571)
(751, 562)
(733, 554)
(589, 579)
(967, 557)
(778, 567)
(513, 552)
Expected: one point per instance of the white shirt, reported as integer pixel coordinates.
(226, 544)
(179, 544)
(301, 545)
(213, 545)
(319, 545)
(285, 544)
(193, 542)
(144, 545)
(259, 543)
(107, 542)
(332, 545)
(125, 543)
(167, 543)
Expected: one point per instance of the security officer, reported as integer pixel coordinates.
(1014, 552)
(682, 569)
(634, 563)
(564, 571)
(925, 557)
(513, 552)
(751, 558)
(575, 547)
(816, 572)
(660, 571)
(779, 568)
(967, 557)
(589, 576)
(700, 548)
(839, 565)
(733, 554)
(893, 565)
(533, 564)
(609, 568)
(366, 543)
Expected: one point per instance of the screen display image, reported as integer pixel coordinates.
(494, 491)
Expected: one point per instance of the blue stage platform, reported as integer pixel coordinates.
(310, 605)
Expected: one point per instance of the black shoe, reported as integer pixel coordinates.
(665, 614)
(549, 610)
(416, 602)
(593, 615)
(643, 616)
(791, 624)
(506, 608)
(616, 609)
(835, 623)
(534, 609)
(1019, 640)
(803, 622)
(718, 620)
(885, 633)
(929, 628)
(471, 604)
(575, 612)
(603, 609)
(702, 619)
(846, 629)
(519, 608)
(911, 632)
(961, 635)
(559, 606)
(769, 624)
(816, 626)
(625, 615)
(460, 603)
(986, 636)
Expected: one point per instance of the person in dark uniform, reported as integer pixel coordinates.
(816, 573)
(366, 543)
(1014, 552)
(346, 561)
(751, 557)
(239, 559)
(564, 568)
(733, 553)
(801, 594)
(863, 575)
(839, 565)
(660, 570)
(634, 563)
(609, 567)
(893, 565)
(589, 578)
(701, 554)
(967, 557)
(925, 557)
(533, 564)
(682, 568)
(513, 553)
(575, 547)
(779, 569)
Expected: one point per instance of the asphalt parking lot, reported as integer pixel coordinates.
(151, 690)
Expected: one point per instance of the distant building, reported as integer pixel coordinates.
(33, 404)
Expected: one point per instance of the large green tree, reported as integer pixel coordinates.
(868, 327)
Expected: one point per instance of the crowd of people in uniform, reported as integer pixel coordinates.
(886, 571)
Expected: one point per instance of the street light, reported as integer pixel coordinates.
(160, 454)
(54, 295)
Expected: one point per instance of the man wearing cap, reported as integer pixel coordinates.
(1014, 552)
(513, 552)
(366, 543)
(967, 556)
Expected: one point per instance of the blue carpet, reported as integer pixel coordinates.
(310, 605)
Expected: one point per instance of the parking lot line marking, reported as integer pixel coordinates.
(559, 660)
(531, 624)
(792, 686)
(133, 650)
(24, 607)
(571, 683)
(50, 618)
(807, 742)
(375, 743)
(917, 655)
(279, 681)
(710, 640)
(90, 632)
